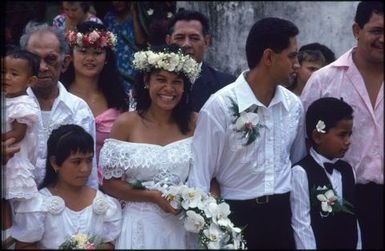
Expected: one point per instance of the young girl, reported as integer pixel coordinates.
(323, 185)
(20, 70)
(65, 206)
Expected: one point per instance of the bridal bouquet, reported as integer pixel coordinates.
(204, 215)
(80, 241)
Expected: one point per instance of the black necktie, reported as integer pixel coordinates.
(330, 166)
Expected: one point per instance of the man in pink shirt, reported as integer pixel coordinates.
(358, 77)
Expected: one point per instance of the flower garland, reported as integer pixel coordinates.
(202, 214)
(97, 39)
(169, 61)
(325, 198)
(246, 122)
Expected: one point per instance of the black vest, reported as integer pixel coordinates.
(339, 230)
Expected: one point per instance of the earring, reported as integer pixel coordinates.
(146, 87)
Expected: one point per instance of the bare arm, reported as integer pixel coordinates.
(18, 131)
(121, 190)
(25, 245)
(8, 150)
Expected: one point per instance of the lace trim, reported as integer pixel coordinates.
(118, 156)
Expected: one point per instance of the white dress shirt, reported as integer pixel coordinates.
(67, 109)
(300, 204)
(260, 168)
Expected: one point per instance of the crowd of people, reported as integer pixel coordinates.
(100, 122)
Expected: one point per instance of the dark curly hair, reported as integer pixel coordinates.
(182, 113)
(110, 82)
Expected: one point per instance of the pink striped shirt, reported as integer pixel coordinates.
(342, 79)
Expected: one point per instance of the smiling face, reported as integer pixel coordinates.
(370, 39)
(75, 170)
(17, 76)
(165, 89)
(89, 62)
(336, 142)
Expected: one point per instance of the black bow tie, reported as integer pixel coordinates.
(330, 166)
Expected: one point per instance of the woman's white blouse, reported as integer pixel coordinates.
(45, 219)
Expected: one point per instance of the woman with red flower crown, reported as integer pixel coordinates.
(93, 76)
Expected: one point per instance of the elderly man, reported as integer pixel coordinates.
(57, 105)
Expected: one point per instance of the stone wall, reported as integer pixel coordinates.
(328, 23)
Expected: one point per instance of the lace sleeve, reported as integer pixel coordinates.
(111, 159)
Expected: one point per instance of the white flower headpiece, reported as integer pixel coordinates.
(320, 126)
(169, 61)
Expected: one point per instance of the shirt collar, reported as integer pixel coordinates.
(243, 93)
(246, 98)
(346, 60)
(321, 159)
(63, 93)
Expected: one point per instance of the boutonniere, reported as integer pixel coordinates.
(246, 122)
(326, 199)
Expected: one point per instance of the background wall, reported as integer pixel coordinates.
(328, 23)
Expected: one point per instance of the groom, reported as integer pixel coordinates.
(250, 133)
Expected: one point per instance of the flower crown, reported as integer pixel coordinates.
(169, 61)
(93, 39)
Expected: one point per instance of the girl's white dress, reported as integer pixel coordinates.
(45, 219)
(19, 179)
(145, 224)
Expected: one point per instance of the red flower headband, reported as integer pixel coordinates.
(93, 39)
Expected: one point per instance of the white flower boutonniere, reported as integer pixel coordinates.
(320, 127)
(246, 122)
(330, 203)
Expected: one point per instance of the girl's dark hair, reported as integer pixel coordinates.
(182, 113)
(64, 141)
(110, 81)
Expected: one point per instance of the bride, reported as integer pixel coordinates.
(152, 145)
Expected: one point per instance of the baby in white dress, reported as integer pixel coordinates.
(20, 70)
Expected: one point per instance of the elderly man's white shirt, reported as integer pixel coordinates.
(67, 109)
(261, 168)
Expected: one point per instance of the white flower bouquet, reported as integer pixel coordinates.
(81, 241)
(204, 215)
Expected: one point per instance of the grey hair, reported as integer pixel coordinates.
(31, 29)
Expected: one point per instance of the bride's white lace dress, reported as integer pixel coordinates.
(145, 225)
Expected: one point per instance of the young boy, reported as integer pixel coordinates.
(322, 195)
